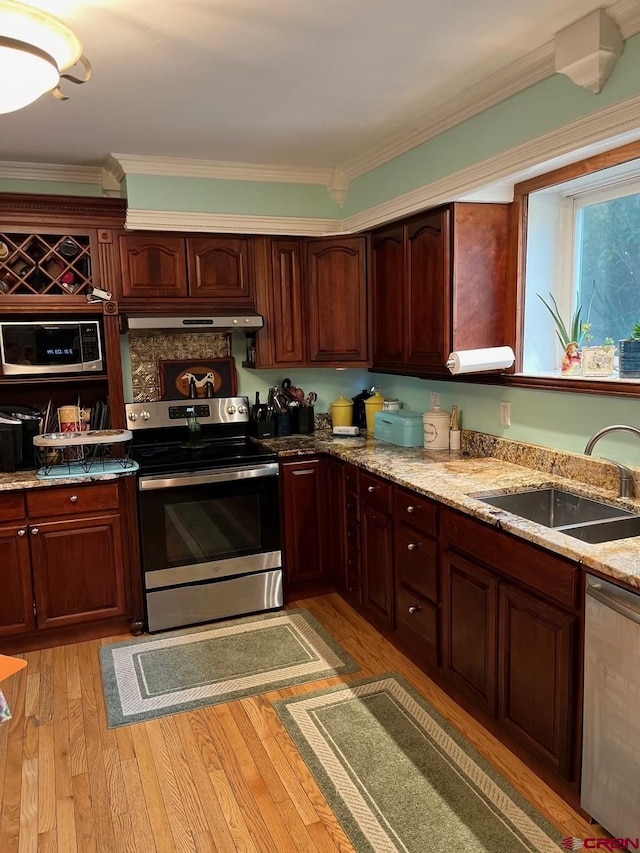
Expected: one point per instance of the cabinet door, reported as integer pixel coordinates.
(288, 309)
(16, 592)
(377, 569)
(219, 269)
(153, 266)
(304, 517)
(387, 295)
(469, 601)
(78, 570)
(337, 300)
(337, 512)
(428, 292)
(538, 675)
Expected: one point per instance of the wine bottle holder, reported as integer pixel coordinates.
(45, 264)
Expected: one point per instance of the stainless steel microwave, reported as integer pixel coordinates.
(55, 348)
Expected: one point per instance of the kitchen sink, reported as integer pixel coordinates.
(606, 531)
(555, 507)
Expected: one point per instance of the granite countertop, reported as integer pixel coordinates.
(29, 480)
(455, 477)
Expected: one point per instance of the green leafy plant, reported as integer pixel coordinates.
(635, 334)
(577, 331)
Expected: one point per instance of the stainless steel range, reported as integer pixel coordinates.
(209, 512)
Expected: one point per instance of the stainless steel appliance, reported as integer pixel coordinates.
(33, 348)
(611, 729)
(209, 512)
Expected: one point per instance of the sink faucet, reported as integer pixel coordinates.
(626, 476)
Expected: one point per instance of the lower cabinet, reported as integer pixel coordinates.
(304, 494)
(376, 549)
(63, 558)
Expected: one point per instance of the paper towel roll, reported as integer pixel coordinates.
(478, 360)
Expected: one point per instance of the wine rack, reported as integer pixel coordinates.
(45, 264)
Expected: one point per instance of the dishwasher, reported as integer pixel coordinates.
(611, 727)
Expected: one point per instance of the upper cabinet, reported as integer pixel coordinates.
(160, 266)
(438, 284)
(312, 294)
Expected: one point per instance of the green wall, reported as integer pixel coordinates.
(11, 185)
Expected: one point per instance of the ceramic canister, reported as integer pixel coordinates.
(372, 405)
(342, 411)
(436, 428)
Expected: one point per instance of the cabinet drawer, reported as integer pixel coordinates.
(539, 569)
(375, 492)
(11, 506)
(416, 510)
(351, 478)
(416, 558)
(417, 623)
(71, 500)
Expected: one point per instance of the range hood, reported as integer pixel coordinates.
(219, 322)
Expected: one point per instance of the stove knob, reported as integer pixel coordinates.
(133, 416)
(231, 410)
(145, 416)
(242, 410)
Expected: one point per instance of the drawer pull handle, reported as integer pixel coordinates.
(73, 499)
(35, 531)
(412, 546)
(371, 489)
(411, 509)
(21, 532)
(414, 608)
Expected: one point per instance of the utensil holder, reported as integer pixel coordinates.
(283, 423)
(303, 421)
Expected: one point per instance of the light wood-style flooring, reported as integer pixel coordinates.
(223, 778)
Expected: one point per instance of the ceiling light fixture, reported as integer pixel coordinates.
(35, 48)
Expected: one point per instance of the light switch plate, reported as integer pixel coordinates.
(505, 413)
(434, 399)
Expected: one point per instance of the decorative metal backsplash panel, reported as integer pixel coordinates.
(148, 350)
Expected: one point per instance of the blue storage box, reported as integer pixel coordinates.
(404, 428)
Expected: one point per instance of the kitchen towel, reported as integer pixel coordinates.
(478, 360)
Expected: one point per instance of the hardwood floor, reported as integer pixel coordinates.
(224, 778)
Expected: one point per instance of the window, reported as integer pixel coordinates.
(582, 255)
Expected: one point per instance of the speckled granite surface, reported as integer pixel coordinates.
(487, 465)
(29, 480)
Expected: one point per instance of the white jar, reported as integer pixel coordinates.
(391, 404)
(436, 424)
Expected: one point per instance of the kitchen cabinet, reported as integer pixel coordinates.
(303, 493)
(376, 549)
(510, 636)
(312, 295)
(160, 266)
(438, 284)
(62, 551)
(416, 574)
(337, 513)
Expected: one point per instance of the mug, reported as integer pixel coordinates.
(70, 418)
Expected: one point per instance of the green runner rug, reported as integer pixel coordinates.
(400, 778)
(182, 670)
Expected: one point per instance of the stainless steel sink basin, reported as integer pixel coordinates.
(606, 531)
(555, 507)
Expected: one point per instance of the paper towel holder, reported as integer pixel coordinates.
(504, 359)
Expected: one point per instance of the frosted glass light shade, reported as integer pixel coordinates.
(35, 47)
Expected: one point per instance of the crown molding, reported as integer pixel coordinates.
(534, 67)
(609, 122)
(50, 172)
(178, 220)
(136, 164)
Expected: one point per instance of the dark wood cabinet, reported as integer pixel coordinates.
(537, 669)
(162, 266)
(304, 520)
(312, 295)
(376, 549)
(439, 284)
(16, 597)
(337, 527)
(337, 300)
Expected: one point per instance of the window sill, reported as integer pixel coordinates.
(611, 385)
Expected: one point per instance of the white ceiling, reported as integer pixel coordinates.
(289, 82)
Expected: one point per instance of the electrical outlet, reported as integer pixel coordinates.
(505, 413)
(435, 398)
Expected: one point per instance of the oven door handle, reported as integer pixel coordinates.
(226, 475)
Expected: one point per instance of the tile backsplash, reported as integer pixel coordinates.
(147, 350)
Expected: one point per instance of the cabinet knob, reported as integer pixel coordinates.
(412, 546)
(74, 499)
(411, 509)
(21, 532)
(35, 531)
(371, 489)
(414, 608)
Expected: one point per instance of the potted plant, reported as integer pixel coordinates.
(571, 337)
(630, 355)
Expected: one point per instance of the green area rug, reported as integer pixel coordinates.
(400, 778)
(182, 670)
